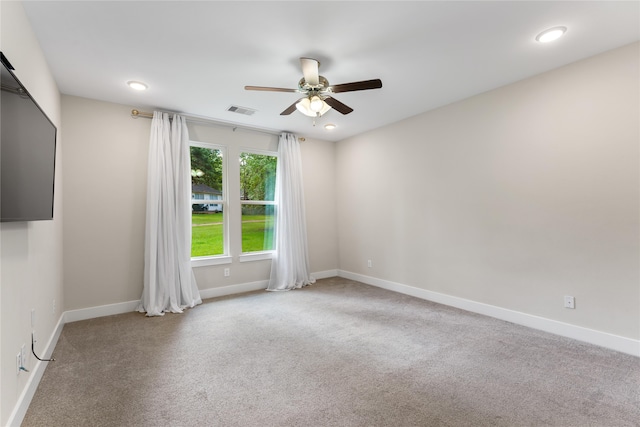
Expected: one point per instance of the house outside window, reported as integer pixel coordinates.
(209, 236)
(204, 193)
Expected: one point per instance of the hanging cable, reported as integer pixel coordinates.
(33, 350)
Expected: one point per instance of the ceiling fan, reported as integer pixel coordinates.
(317, 91)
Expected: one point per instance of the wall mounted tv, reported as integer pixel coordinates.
(27, 153)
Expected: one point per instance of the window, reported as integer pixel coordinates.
(243, 226)
(257, 191)
(208, 181)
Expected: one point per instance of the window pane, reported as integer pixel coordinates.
(257, 176)
(207, 218)
(257, 228)
(207, 234)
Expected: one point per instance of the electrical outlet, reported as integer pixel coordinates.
(569, 302)
(18, 363)
(369, 263)
(227, 272)
(23, 357)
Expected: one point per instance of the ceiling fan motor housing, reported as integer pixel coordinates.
(323, 84)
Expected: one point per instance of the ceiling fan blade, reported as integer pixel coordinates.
(310, 70)
(270, 89)
(290, 109)
(337, 105)
(352, 87)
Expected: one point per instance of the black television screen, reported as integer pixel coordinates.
(27, 153)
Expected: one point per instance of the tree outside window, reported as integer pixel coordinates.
(257, 198)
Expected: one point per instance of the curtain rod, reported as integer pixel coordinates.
(136, 113)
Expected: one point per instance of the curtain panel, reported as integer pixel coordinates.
(169, 282)
(290, 262)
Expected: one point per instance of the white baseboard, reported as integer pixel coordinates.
(100, 311)
(129, 306)
(324, 274)
(253, 286)
(233, 289)
(591, 336)
(24, 400)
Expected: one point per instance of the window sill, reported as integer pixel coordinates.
(204, 261)
(258, 256)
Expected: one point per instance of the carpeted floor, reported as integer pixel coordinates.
(337, 353)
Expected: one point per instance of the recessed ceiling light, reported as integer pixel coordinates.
(137, 85)
(329, 126)
(551, 34)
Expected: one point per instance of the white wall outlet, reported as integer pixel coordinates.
(23, 356)
(227, 272)
(569, 301)
(18, 363)
(369, 263)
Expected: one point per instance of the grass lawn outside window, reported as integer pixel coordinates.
(206, 234)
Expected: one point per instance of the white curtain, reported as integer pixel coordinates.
(290, 263)
(169, 283)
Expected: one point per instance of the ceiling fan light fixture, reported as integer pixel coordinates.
(307, 107)
(316, 104)
(551, 34)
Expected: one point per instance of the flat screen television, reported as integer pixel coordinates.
(27, 153)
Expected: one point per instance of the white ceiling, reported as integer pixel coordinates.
(197, 57)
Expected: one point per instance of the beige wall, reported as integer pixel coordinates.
(318, 158)
(513, 198)
(30, 252)
(106, 196)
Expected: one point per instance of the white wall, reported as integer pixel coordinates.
(31, 252)
(512, 198)
(105, 172)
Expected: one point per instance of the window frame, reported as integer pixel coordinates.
(225, 257)
(255, 255)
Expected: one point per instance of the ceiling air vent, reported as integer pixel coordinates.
(241, 110)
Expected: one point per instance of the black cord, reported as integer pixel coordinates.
(34, 351)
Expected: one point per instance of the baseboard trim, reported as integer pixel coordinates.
(100, 311)
(591, 336)
(324, 274)
(233, 289)
(24, 400)
(253, 286)
(129, 306)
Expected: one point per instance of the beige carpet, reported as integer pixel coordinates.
(337, 353)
